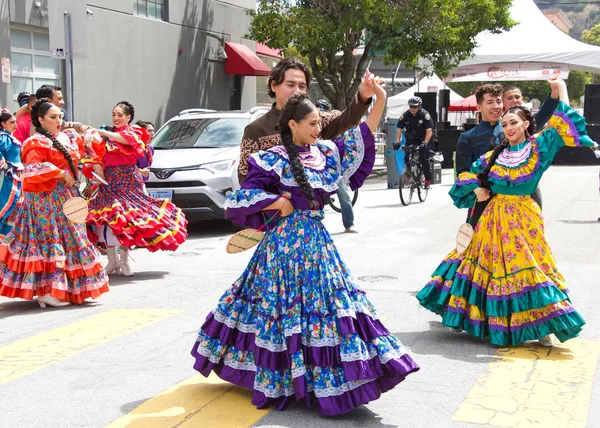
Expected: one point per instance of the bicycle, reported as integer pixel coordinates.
(335, 204)
(412, 178)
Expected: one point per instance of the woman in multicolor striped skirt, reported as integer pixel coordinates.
(121, 213)
(45, 254)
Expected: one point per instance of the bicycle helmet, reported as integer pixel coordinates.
(323, 105)
(415, 101)
(23, 97)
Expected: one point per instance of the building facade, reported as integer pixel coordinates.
(163, 56)
(559, 19)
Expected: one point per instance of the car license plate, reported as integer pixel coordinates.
(162, 194)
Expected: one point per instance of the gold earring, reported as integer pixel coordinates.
(294, 136)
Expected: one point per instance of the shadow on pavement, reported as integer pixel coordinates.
(211, 229)
(358, 417)
(580, 221)
(118, 279)
(440, 340)
(20, 307)
(394, 205)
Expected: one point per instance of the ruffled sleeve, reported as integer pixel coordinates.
(245, 206)
(40, 174)
(133, 135)
(567, 128)
(356, 155)
(462, 192)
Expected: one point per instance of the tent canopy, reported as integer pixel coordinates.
(466, 104)
(533, 40)
(398, 104)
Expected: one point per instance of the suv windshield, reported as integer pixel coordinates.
(201, 133)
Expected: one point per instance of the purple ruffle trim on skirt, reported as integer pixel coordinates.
(382, 376)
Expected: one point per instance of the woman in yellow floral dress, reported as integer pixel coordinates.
(506, 285)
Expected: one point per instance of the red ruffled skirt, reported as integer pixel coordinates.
(135, 218)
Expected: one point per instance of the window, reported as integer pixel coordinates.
(155, 9)
(31, 63)
(211, 132)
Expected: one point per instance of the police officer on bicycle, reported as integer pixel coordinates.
(418, 127)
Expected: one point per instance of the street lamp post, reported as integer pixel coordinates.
(69, 65)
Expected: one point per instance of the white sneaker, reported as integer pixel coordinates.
(351, 229)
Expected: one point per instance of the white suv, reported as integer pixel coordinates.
(196, 157)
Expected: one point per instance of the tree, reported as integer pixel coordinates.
(576, 84)
(592, 36)
(440, 31)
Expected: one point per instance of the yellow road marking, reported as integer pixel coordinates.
(37, 352)
(532, 386)
(196, 402)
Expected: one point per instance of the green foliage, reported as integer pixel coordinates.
(576, 84)
(592, 36)
(439, 31)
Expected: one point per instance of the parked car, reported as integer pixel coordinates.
(196, 157)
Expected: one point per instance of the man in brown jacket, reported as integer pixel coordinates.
(288, 77)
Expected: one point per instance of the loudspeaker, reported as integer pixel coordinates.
(429, 104)
(444, 99)
(591, 105)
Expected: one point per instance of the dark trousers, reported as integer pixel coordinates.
(423, 157)
(480, 206)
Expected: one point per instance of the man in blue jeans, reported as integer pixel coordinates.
(343, 192)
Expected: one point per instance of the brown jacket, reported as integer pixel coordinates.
(262, 135)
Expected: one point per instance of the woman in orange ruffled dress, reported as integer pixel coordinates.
(44, 254)
(121, 214)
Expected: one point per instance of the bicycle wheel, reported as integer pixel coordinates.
(421, 190)
(406, 187)
(355, 197)
(334, 202)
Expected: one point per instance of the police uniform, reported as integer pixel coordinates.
(415, 128)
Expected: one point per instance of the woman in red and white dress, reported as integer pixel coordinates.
(121, 214)
(46, 255)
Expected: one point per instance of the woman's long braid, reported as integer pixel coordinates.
(55, 143)
(483, 175)
(525, 114)
(288, 113)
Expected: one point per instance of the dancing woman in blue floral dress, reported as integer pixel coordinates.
(295, 326)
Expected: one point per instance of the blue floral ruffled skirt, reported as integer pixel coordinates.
(295, 327)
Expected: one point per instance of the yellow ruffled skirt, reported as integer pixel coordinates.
(506, 285)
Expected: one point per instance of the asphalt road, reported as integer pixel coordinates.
(90, 365)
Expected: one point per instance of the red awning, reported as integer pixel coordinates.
(466, 104)
(262, 49)
(241, 60)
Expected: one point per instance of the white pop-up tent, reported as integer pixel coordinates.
(398, 104)
(532, 50)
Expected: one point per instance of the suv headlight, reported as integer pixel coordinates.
(217, 167)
